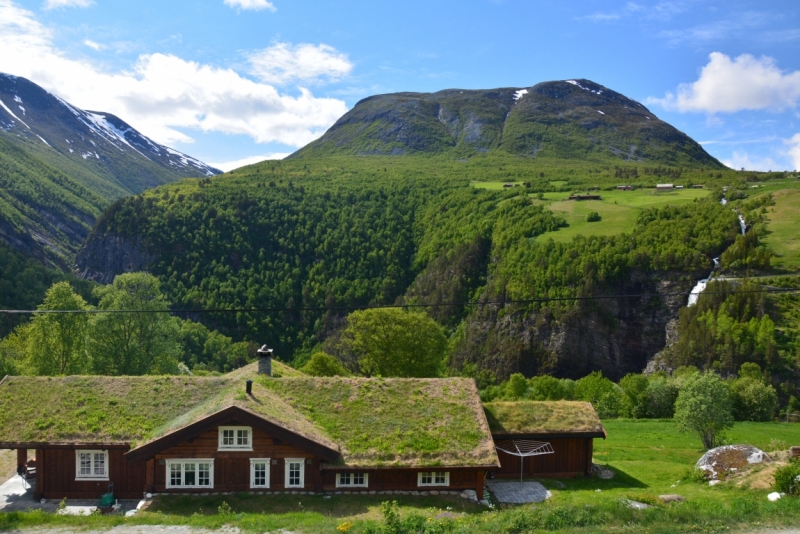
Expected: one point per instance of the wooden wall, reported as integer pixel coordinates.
(572, 457)
(406, 479)
(55, 476)
(232, 468)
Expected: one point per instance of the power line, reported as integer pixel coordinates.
(381, 306)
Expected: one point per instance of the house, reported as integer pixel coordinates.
(664, 187)
(252, 430)
(568, 427)
(624, 188)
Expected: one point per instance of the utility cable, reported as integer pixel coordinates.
(501, 302)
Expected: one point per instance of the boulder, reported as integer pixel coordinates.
(730, 458)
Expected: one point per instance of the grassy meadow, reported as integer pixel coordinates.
(648, 457)
(618, 209)
(783, 236)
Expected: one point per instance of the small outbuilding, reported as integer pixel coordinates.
(544, 438)
(664, 187)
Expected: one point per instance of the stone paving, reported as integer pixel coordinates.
(516, 492)
(16, 495)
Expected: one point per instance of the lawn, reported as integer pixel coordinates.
(783, 236)
(648, 457)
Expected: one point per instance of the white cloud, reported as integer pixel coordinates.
(230, 165)
(794, 151)
(162, 93)
(728, 85)
(742, 160)
(56, 4)
(282, 63)
(94, 46)
(256, 5)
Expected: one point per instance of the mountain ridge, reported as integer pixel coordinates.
(568, 119)
(60, 166)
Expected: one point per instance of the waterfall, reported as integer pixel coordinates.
(742, 224)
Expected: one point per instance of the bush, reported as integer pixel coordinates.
(661, 396)
(549, 388)
(786, 479)
(753, 400)
(322, 364)
(593, 216)
(605, 395)
(635, 387)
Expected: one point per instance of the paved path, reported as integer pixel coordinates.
(516, 492)
(16, 495)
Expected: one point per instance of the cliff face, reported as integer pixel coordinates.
(103, 257)
(615, 336)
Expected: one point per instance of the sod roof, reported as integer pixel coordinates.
(372, 422)
(542, 417)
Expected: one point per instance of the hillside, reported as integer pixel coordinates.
(344, 231)
(572, 119)
(60, 166)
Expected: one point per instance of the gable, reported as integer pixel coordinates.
(231, 416)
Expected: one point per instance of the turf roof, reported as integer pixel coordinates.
(542, 417)
(372, 422)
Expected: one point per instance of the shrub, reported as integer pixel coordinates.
(516, 387)
(786, 479)
(605, 395)
(549, 388)
(635, 387)
(661, 396)
(753, 400)
(322, 364)
(593, 216)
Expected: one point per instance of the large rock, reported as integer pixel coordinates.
(730, 458)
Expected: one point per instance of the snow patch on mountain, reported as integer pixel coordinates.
(520, 93)
(12, 114)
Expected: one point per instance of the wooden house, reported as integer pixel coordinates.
(245, 432)
(664, 187)
(585, 197)
(252, 431)
(568, 427)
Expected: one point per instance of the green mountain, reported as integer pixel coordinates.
(572, 119)
(60, 166)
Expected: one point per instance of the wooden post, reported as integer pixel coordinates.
(589, 453)
(39, 491)
(150, 476)
(479, 485)
(22, 457)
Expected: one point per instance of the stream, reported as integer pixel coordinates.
(701, 284)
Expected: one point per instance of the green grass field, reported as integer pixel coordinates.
(783, 229)
(618, 210)
(648, 457)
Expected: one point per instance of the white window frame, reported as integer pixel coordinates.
(195, 461)
(253, 462)
(92, 476)
(236, 430)
(433, 475)
(340, 484)
(288, 462)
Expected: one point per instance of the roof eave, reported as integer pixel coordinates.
(546, 435)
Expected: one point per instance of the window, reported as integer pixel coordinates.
(190, 473)
(352, 480)
(440, 478)
(91, 465)
(259, 472)
(295, 472)
(235, 438)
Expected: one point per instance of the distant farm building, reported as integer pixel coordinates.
(624, 188)
(697, 186)
(678, 187)
(664, 187)
(509, 185)
(585, 197)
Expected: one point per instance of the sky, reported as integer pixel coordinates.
(232, 82)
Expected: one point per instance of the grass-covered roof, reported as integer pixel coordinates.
(372, 422)
(542, 417)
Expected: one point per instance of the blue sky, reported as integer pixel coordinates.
(228, 81)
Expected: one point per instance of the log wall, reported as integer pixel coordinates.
(572, 457)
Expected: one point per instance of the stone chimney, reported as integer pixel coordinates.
(265, 361)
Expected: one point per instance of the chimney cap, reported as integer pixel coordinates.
(264, 351)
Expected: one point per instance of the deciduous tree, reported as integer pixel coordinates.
(704, 406)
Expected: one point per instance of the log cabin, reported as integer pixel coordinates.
(251, 430)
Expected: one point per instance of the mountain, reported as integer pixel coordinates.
(60, 166)
(571, 119)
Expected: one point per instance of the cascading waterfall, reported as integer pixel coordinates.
(701, 284)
